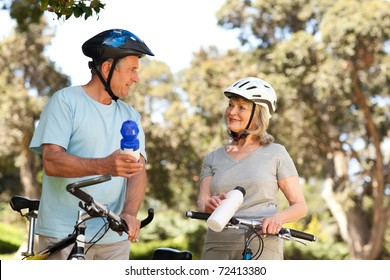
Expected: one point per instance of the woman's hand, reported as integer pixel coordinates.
(271, 225)
(213, 202)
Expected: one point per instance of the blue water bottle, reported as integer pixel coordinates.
(129, 141)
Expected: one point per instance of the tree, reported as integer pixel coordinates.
(329, 63)
(27, 12)
(27, 77)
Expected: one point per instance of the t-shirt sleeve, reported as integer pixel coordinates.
(285, 165)
(54, 126)
(206, 167)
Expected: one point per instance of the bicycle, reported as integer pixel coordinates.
(253, 230)
(90, 208)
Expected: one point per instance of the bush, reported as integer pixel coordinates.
(144, 250)
(169, 229)
(11, 237)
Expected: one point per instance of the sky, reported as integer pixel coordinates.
(172, 29)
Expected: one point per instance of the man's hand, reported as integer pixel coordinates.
(123, 165)
(133, 225)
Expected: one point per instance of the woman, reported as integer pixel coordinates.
(251, 160)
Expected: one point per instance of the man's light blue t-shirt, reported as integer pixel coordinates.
(88, 129)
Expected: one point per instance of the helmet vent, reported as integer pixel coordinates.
(243, 84)
(255, 90)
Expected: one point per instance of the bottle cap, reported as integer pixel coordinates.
(129, 133)
(241, 189)
(129, 129)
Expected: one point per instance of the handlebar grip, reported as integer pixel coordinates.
(300, 234)
(205, 216)
(83, 196)
(149, 218)
(118, 224)
(88, 182)
(197, 215)
(122, 225)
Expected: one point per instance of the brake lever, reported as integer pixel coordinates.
(93, 211)
(290, 238)
(232, 226)
(119, 227)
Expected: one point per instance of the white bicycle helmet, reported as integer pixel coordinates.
(256, 90)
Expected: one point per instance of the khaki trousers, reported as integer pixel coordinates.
(114, 251)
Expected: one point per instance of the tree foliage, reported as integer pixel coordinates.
(328, 61)
(329, 64)
(27, 12)
(25, 75)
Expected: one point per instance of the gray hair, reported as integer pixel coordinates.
(99, 65)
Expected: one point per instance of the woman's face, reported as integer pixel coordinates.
(238, 114)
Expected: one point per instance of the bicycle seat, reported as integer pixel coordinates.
(171, 254)
(18, 203)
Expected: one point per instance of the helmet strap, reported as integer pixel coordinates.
(235, 135)
(107, 84)
(251, 117)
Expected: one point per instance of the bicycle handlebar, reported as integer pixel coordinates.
(88, 182)
(284, 232)
(97, 209)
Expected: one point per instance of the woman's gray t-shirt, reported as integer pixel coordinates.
(258, 173)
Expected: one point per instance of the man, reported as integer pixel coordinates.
(79, 135)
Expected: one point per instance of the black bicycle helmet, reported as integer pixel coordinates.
(115, 44)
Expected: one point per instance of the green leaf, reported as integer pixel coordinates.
(77, 12)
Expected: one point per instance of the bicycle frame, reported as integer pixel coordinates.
(89, 209)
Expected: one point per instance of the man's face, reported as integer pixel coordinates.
(125, 74)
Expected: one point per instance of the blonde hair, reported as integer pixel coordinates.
(260, 122)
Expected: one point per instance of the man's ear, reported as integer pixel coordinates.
(105, 69)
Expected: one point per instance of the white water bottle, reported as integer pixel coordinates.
(224, 212)
(129, 142)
